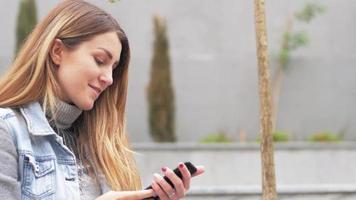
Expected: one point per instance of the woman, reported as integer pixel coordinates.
(62, 115)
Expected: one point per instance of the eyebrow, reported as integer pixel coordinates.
(109, 54)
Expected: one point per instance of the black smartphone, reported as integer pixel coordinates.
(191, 168)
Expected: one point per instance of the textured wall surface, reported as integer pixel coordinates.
(214, 64)
(303, 171)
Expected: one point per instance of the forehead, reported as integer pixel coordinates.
(108, 41)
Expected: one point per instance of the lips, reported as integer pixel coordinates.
(97, 89)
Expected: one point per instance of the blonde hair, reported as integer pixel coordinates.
(31, 78)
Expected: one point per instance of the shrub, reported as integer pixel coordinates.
(220, 137)
(26, 21)
(324, 137)
(160, 90)
(281, 136)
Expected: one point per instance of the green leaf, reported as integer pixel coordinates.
(284, 57)
(309, 12)
(298, 40)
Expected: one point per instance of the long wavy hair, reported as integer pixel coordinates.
(32, 78)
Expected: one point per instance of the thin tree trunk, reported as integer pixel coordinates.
(268, 173)
(278, 78)
(276, 89)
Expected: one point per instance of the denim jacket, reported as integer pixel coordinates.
(47, 168)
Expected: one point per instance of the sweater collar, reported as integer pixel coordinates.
(37, 122)
(64, 114)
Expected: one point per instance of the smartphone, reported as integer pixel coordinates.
(191, 168)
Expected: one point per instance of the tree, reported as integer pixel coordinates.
(268, 171)
(160, 90)
(291, 41)
(26, 21)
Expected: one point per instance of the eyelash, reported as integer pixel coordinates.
(98, 62)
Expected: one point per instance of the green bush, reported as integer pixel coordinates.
(281, 136)
(220, 137)
(26, 21)
(161, 105)
(324, 137)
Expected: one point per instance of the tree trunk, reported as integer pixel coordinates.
(279, 75)
(268, 173)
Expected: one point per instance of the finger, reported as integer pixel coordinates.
(177, 182)
(142, 194)
(166, 187)
(186, 176)
(200, 170)
(159, 192)
(134, 195)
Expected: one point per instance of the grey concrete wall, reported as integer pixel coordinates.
(214, 64)
(240, 164)
(303, 171)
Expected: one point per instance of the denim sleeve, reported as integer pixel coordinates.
(9, 184)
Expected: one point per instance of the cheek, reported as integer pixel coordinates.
(74, 79)
(79, 70)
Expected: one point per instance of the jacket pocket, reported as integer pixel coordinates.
(38, 177)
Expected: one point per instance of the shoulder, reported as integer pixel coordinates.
(6, 135)
(6, 138)
(6, 113)
(5, 116)
(7, 142)
(9, 119)
(9, 184)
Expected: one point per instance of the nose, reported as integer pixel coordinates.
(106, 78)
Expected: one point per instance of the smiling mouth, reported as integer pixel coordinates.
(97, 90)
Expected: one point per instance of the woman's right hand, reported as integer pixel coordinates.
(127, 195)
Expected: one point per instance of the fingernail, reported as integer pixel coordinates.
(156, 175)
(164, 169)
(153, 184)
(181, 165)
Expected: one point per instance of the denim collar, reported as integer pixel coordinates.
(38, 125)
(36, 120)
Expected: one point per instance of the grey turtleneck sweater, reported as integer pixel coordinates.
(10, 188)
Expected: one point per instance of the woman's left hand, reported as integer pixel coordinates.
(181, 186)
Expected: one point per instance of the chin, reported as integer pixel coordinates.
(86, 105)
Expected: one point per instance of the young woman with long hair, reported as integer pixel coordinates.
(62, 114)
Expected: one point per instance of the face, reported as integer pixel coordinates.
(85, 72)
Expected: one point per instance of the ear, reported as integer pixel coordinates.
(56, 52)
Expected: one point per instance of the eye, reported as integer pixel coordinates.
(98, 61)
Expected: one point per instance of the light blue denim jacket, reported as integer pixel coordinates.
(47, 168)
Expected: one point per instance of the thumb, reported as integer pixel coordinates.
(200, 170)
